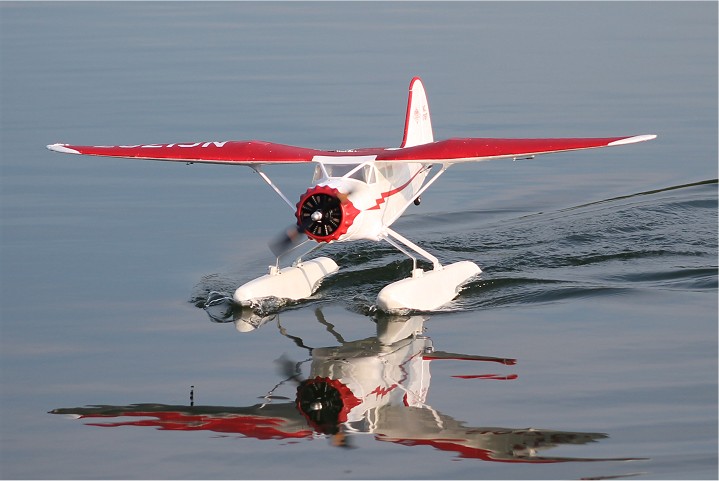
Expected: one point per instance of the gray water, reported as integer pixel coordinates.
(600, 267)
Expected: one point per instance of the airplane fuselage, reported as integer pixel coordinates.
(372, 195)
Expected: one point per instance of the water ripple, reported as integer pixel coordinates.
(660, 239)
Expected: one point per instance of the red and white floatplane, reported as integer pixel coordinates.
(357, 194)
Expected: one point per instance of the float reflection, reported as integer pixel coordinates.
(376, 385)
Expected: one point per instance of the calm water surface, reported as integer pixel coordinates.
(587, 349)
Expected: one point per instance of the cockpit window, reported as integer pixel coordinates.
(319, 174)
(364, 173)
(339, 170)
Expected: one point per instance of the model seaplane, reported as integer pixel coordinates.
(357, 194)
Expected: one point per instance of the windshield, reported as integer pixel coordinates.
(364, 173)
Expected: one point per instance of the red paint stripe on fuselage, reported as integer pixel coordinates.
(385, 195)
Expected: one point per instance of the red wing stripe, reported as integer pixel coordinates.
(473, 149)
(231, 152)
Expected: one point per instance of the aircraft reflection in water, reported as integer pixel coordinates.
(376, 385)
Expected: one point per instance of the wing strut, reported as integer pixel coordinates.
(257, 169)
(390, 233)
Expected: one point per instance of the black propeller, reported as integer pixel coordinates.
(319, 216)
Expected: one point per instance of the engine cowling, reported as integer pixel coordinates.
(324, 213)
(325, 403)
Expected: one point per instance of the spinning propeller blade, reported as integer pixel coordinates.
(289, 369)
(288, 239)
(320, 214)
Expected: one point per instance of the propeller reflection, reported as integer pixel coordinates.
(375, 385)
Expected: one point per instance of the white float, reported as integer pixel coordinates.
(294, 283)
(426, 291)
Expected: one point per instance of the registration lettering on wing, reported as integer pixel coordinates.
(165, 146)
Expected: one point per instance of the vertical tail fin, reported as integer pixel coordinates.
(417, 125)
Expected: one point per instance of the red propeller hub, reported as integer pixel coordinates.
(324, 213)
